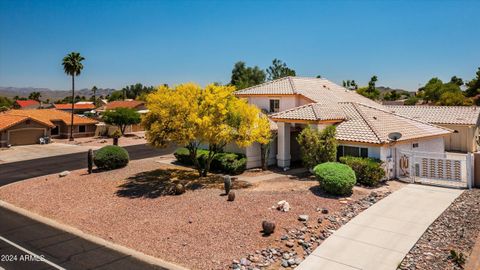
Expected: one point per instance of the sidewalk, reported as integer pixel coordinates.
(381, 236)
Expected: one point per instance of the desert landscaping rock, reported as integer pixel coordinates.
(303, 217)
(64, 173)
(456, 229)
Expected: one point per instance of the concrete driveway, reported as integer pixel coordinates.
(35, 151)
(381, 236)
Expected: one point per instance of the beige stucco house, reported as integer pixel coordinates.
(363, 126)
(463, 120)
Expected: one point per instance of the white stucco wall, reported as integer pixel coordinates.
(433, 145)
(286, 102)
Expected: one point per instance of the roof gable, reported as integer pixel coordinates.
(26, 103)
(46, 116)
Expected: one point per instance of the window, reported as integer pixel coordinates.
(415, 145)
(343, 150)
(81, 129)
(274, 105)
(55, 131)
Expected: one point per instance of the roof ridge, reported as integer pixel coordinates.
(362, 115)
(262, 84)
(294, 90)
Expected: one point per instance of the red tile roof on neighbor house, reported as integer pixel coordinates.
(68, 106)
(26, 103)
(124, 104)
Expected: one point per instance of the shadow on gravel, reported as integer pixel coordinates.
(163, 182)
(317, 191)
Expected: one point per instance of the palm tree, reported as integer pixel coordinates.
(72, 65)
(94, 90)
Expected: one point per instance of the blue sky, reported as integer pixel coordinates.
(404, 43)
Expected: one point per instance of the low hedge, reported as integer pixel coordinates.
(229, 163)
(111, 157)
(367, 170)
(335, 178)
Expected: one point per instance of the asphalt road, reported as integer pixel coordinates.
(21, 237)
(16, 171)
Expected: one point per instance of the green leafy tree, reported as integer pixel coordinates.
(122, 117)
(432, 90)
(135, 91)
(115, 95)
(452, 99)
(5, 103)
(278, 70)
(456, 80)
(317, 146)
(392, 95)
(243, 76)
(473, 86)
(370, 91)
(412, 100)
(35, 96)
(94, 97)
(72, 65)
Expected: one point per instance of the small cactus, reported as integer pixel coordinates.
(227, 183)
(90, 161)
(268, 227)
(231, 196)
(179, 189)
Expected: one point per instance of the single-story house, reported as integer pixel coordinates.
(78, 108)
(26, 104)
(133, 104)
(364, 127)
(139, 106)
(21, 127)
(463, 120)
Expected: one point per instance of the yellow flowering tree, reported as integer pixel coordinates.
(191, 116)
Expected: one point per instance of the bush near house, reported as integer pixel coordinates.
(335, 178)
(111, 157)
(229, 163)
(367, 170)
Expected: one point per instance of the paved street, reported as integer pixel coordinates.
(19, 170)
(381, 236)
(22, 238)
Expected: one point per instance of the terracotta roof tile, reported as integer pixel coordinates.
(462, 115)
(7, 121)
(75, 106)
(313, 112)
(123, 104)
(48, 115)
(26, 103)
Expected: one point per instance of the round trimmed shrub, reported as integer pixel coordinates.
(111, 157)
(335, 178)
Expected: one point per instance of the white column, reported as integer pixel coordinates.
(283, 155)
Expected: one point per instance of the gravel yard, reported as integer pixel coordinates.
(198, 229)
(129, 139)
(456, 229)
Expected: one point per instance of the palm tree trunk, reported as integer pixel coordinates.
(73, 100)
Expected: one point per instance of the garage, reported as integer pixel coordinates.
(25, 136)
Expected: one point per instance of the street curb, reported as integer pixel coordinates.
(97, 240)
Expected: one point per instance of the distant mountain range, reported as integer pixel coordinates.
(384, 89)
(47, 93)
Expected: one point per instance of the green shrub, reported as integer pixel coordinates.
(367, 170)
(229, 163)
(317, 146)
(335, 178)
(111, 157)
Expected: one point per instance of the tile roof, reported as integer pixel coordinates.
(462, 115)
(318, 90)
(363, 123)
(373, 124)
(26, 103)
(76, 106)
(7, 121)
(123, 104)
(46, 116)
(313, 112)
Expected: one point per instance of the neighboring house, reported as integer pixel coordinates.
(363, 126)
(464, 120)
(21, 127)
(133, 104)
(26, 104)
(139, 106)
(78, 108)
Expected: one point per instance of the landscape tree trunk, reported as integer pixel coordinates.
(71, 118)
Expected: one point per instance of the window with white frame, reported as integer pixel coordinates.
(274, 105)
